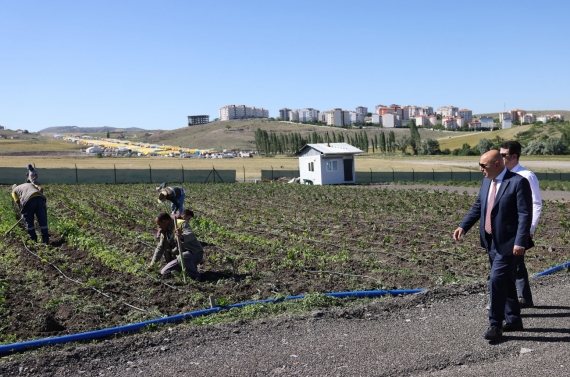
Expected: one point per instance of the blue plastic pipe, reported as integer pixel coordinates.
(552, 270)
(90, 335)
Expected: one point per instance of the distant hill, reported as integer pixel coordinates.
(87, 130)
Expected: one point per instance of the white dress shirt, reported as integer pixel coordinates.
(536, 199)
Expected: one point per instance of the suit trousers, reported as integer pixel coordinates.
(523, 285)
(502, 288)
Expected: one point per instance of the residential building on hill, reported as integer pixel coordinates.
(284, 113)
(447, 111)
(198, 119)
(466, 114)
(362, 110)
(230, 112)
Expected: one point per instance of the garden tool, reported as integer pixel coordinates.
(181, 260)
(13, 226)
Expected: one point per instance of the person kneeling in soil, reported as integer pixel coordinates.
(192, 251)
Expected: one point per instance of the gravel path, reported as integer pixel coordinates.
(436, 333)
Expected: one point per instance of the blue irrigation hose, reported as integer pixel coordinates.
(90, 335)
(552, 270)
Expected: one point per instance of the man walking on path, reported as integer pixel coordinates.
(174, 194)
(504, 211)
(192, 250)
(31, 201)
(511, 153)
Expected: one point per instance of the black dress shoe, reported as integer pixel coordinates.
(513, 326)
(493, 333)
(525, 304)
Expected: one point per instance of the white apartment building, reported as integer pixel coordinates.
(466, 114)
(362, 110)
(376, 119)
(505, 115)
(390, 120)
(230, 112)
(449, 122)
(476, 125)
(528, 118)
(356, 118)
(308, 115)
(460, 121)
(422, 120)
(284, 113)
(335, 117)
(447, 111)
(294, 115)
(412, 111)
(377, 108)
(506, 123)
(433, 121)
(487, 122)
(427, 110)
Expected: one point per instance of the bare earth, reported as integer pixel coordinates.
(435, 333)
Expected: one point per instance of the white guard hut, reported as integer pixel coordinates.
(327, 163)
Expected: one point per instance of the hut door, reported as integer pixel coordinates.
(348, 169)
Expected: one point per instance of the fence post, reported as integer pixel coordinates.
(432, 174)
(393, 179)
(115, 171)
(182, 173)
(271, 172)
(243, 173)
(547, 174)
(150, 172)
(76, 180)
(470, 175)
(370, 175)
(413, 175)
(214, 173)
(451, 174)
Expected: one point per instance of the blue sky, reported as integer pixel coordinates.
(150, 64)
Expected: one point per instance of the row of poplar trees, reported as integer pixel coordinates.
(292, 142)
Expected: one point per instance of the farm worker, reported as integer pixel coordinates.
(192, 250)
(504, 212)
(31, 175)
(511, 152)
(31, 201)
(174, 194)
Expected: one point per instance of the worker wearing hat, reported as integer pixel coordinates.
(174, 194)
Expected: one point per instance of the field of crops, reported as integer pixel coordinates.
(262, 240)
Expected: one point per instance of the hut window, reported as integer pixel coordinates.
(332, 165)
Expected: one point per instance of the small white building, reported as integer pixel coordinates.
(327, 163)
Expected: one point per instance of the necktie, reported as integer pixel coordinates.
(490, 204)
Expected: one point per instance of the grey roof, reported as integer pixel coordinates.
(333, 148)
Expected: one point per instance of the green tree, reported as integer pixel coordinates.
(429, 146)
(391, 142)
(415, 139)
(403, 143)
(484, 145)
(382, 142)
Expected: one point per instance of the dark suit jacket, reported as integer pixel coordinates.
(511, 215)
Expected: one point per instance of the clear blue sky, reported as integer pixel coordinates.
(150, 64)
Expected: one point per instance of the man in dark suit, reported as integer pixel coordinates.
(504, 208)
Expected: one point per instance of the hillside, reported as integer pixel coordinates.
(241, 134)
(86, 130)
(564, 113)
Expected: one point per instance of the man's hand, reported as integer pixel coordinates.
(517, 250)
(179, 232)
(458, 234)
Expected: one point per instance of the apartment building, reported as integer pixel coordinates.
(422, 120)
(356, 117)
(466, 114)
(475, 125)
(427, 110)
(528, 118)
(308, 115)
(230, 112)
(284, 113)
(391, 120)
(294, 116)
(392, 109)
(449, 122)
(487, 122)
(447, 111)
(362, 110)
(198, 119)
(506, 123)
(412, 111)
(460, 121)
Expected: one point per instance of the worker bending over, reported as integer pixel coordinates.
(31, 201)
(174, 194)
(170, 230)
